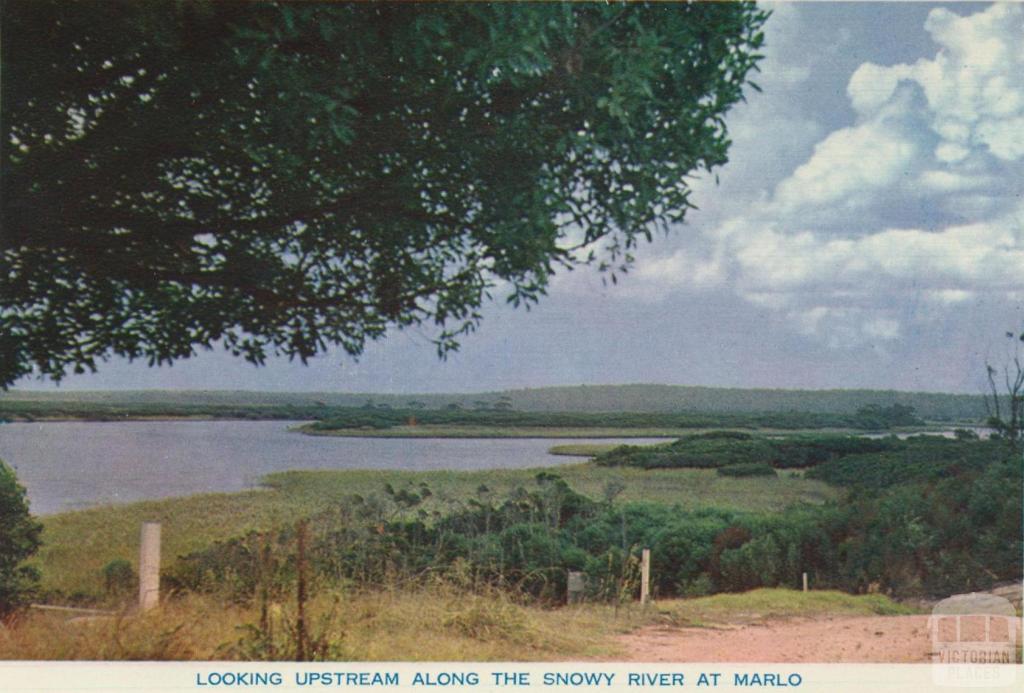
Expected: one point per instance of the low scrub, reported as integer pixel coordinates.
(907, 540)
(915, 459)
(727, 448)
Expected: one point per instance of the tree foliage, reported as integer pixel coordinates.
(19, 539)
(281, 177)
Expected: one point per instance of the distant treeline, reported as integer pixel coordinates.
(868, 418)
(582, 398)
(30, 410)
(382, 417)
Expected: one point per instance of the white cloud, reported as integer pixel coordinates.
(882, 328)
(950, 296)
(844, 327)
(918, 197)
(942, 181)
(847, 164)
(974, 86)
(682, 268)
(989, 255)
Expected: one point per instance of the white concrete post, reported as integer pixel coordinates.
(805, 582)
(575, 584)
(645, 577)
(149, 566)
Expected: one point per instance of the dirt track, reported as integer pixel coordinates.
(839, 639)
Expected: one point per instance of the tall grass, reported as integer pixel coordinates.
(435, 623)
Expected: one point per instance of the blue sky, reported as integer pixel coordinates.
(868, 231)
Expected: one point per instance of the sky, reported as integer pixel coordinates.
(867, 232)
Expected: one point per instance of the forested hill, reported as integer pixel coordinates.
(929, 405)
(583, 398)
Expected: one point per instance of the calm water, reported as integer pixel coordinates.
(72, 465)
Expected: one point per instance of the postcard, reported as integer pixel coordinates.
(537, 346)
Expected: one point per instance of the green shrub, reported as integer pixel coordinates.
(118, 577)
(19, 539)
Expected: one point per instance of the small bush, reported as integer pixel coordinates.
(118, 577)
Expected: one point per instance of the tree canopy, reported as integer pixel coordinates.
(282, 177)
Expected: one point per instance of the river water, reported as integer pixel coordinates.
(71, 465)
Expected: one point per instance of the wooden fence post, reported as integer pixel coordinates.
(805, 582)
(645, 576)
(149, 566)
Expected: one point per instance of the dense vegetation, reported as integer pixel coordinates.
(926, 532)
(868, 418)
(839, 460)
(727, 448)
(924, 458)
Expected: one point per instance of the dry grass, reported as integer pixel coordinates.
(187, 629)
(435, 623)
(426, 624)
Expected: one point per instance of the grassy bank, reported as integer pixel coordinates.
(438, 623)
(581, 450)
(774, 603)
(468, 431)
(78, 544)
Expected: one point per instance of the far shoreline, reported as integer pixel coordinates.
(486, 432)
(468, 432)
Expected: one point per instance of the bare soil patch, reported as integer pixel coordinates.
(880, 639)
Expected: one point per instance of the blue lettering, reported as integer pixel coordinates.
(239, 678)
(446, 678)
(578, 678)
(768, 679)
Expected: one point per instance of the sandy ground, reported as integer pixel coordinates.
(833, 639)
